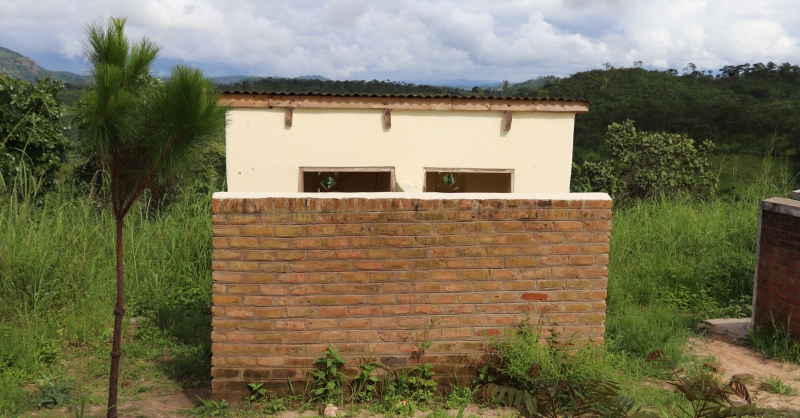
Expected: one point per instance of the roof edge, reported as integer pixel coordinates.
(245, 99)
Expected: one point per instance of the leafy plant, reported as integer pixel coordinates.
(328, 378)
(257, 392)
(599, 398)
(31, 133)
(273, 405)
(420, 383)
(459, 396)
(365, 385)
(707, 396)
(52, 393)
(210, 407)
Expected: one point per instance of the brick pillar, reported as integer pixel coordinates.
(776, 294)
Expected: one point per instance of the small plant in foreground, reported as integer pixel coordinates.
(774, 384)
(365, 385)
(459, 396)
(210, 408)
(257, 392)
(775, 342)
(52, 394)
(707, 396)
(328, 378)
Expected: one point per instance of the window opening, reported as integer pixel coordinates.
(347, 180)
(468, 181)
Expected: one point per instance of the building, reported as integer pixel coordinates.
(405, 228)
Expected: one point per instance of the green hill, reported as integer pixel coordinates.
(24, 68)
(741, 109)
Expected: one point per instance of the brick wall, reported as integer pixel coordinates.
(382, 275)
(777, 284)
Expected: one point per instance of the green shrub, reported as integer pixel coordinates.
(645, 164)
(532, 364)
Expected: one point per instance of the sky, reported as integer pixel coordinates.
(512, 40)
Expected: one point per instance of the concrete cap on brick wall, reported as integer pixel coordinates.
(417, 195)
(782, 205)
(796, 195)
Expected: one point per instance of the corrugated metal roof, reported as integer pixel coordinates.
(402, 96)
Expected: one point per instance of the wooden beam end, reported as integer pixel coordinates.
(387, 118)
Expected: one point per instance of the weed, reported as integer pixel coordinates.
(210, 408)
(365, 385)
(328, 378)
(775, 342)
(459, 396)
(79, 409)
(51, 393)
(528, 364)
(707, 396)
(420, 383)
(439, 413)
(774, 384)
(273, 405)
(257, 392)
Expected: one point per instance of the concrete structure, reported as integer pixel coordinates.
(776, 293)
(405, 275)
(268, 145)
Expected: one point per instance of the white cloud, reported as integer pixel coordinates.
(406, 39)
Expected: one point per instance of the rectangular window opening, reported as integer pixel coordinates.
(468, 181)
(346, 180)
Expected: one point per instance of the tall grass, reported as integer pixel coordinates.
(678, 259)
(57, 278)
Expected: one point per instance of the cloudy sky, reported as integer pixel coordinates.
(417, 39)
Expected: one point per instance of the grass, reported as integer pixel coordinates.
(57, 286)
(775, 342)
(673, 260)
(775, 385)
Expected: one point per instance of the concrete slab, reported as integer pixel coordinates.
(796, 195)
(736, 327)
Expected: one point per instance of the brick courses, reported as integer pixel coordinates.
(382, 275)
(777, 287)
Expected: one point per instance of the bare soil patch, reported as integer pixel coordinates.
(726, 350)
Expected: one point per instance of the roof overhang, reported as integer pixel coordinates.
(402, 102)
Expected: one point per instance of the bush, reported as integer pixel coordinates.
(648, 163)
(31, 134)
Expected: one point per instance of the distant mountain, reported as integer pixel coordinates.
(313, 77)
(535, 83)
(24, 68)
(227, 79)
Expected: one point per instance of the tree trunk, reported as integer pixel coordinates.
(119, 311)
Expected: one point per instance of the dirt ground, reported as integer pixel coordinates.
(720, 345)
(732, 358)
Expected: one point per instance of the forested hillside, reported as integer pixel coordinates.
(299, 85)
(18, 66)
(740, 109)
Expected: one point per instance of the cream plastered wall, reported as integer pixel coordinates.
(263, 155)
